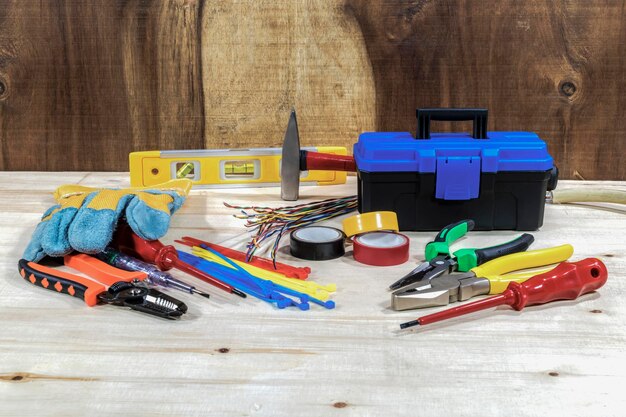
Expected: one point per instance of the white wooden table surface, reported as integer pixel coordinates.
(233, 357)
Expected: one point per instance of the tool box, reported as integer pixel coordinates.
(497, 179)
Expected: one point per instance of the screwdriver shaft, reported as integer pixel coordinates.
(204, 294)
(486, 303)
(155, 275)
(192, 270)
(567, 281)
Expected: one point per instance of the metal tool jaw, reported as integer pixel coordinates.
(137, 296)
(290, 162)
(439, 291)
(424, 272)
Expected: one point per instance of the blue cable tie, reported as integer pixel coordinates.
(225, 273)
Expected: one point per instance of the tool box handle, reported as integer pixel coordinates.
(478, 116)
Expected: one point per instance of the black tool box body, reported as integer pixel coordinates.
(497, 179)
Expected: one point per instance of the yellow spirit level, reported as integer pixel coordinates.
(224, 168)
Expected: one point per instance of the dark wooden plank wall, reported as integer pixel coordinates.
(83, 83)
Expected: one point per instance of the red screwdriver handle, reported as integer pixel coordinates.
(152, 251)
(166, 258)
(325, 161)
(567, 281)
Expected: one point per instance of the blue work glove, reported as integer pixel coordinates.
(85, 218)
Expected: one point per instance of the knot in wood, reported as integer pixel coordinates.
(3, 88)
(567, 88)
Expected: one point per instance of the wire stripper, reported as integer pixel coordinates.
(105, 284)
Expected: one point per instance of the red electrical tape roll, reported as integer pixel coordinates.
(381, 248)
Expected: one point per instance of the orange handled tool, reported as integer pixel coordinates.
(63, 282)
(105, 284)
(86, 289)
(567, 281)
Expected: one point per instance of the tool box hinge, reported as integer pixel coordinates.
(458, 177)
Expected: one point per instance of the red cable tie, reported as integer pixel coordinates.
(267, 264)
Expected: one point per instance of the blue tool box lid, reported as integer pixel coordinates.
(500, 151)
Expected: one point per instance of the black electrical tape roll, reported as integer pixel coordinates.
(317, 243)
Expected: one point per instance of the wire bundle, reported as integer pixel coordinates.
(269, 222)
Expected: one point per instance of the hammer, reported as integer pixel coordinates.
(295, 160)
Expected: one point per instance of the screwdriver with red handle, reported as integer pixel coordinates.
(165, 257)
(567, 281)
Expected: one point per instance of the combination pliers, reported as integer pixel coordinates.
(439, 260)
(489, 278)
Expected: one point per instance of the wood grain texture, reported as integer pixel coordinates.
(98, 79)
(263, 58)
(233, 357)
(163, 74)
(87, 82)
(554, 67)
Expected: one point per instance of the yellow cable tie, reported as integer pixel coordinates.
(311, 288)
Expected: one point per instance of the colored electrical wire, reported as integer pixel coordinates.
(269, 222)
(300, 272)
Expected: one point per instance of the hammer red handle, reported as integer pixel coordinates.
(326, 161)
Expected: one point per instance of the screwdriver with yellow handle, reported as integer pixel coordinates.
(568, 281)
(490, 278)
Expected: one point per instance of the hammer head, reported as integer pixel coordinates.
(290, 162)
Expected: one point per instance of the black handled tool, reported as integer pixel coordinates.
(439, 260)
(106, 284)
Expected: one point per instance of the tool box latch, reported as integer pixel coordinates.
(458, 177)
